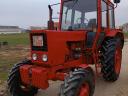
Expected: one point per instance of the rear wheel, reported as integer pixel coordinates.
(111, 59)
(79, 83)
(15, 85)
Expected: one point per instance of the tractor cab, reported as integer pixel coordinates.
(78, 15)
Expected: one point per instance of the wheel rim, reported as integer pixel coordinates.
(84, 91)
(118, 57)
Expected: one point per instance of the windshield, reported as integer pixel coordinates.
(79, 14)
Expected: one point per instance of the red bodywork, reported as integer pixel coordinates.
(60, 47)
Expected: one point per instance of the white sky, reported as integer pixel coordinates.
(122, 13)
(25, 13)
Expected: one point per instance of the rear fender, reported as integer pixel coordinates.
(116, 33)
(113, 33)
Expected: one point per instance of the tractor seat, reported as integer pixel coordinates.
(91, 37)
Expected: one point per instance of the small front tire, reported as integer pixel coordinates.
(16, 88)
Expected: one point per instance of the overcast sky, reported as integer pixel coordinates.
(25, 13)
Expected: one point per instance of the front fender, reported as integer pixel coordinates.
(84, 66)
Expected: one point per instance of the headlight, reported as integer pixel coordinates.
(34, 56)
(45, 58)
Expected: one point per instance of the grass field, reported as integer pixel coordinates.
(15, 39)
(126, 35)
(12, 53)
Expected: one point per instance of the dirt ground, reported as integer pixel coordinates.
(8, 57)
(103, 88)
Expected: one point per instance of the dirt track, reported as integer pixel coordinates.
(119, 88)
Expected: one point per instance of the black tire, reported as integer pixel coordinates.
(73, 82)
(14, 82)
(108, 50)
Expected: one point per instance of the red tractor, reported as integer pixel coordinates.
(86, 36)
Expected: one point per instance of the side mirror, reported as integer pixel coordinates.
(116, 1)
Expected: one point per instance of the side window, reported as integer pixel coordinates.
(91, 19)
(104, 14)
(111, 17)
(66, 21)
(77, 19)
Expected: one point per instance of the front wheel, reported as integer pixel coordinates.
(16, 87)
(79, 83)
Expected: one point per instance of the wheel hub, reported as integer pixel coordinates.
(84, 91)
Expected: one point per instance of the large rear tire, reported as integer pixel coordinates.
(111, 59)
(79, 83)
(16, 88)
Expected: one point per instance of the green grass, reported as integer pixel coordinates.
(3, 76)
(5, 65)
(126, 33)
(15, 39)
(8, 57)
